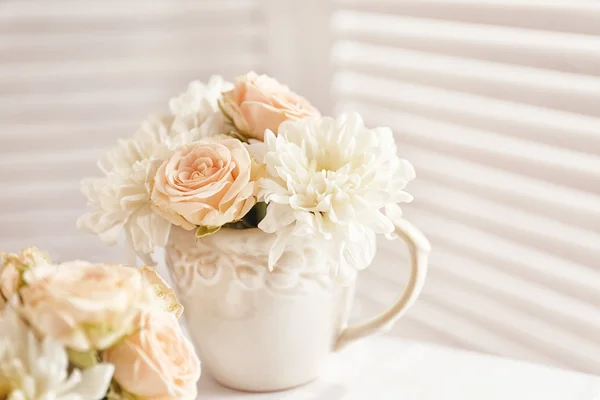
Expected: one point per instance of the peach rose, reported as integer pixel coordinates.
(207, 183)
(258, 103)
(13, 265)
(157, 362)
(85, 306)
(9, 281)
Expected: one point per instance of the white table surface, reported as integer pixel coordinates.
(384, 368)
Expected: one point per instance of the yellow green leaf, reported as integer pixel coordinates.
(203, 231)
(83, 359)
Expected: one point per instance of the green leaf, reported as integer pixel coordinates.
(259, 212)
(251, 219)
(203, 231)
(115, 392)
(238, 136)
(241, 224)
(83, 359)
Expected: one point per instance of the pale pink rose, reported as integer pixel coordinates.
(85, 306)
(13, 265)
(9, 281)
(258, 103)
(165, 294)
(207, 183)
(157, 362)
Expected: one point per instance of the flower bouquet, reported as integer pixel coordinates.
(81, 331)
(267, 210)
(245, 155)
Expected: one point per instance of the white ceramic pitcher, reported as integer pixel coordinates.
(259, 331)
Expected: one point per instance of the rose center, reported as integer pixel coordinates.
(204, 169)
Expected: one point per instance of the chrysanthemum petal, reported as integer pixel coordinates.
(335, 175)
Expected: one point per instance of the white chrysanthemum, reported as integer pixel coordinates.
(34, 370)
(200, 98)
(198, 107)
(151, 140)
(121, 200)
(330, 178)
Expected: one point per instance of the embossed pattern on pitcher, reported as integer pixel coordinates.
(301, 268)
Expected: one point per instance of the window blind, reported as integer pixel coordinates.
(496, 105)
(75, 76)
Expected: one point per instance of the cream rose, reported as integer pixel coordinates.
(9, 281)
(207, 183)
(157, 362)
(85, 306)
(13, 265)
(258, 103)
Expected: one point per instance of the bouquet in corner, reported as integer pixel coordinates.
(250, 154)
(82, 331)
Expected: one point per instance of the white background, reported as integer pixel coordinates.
(495, 102)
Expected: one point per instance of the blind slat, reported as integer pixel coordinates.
(538, 87)
(108, 9)
(41, 195)
(568, 130)
(532, 48)
(37, 138)
(510, 323)
(452, 324)
(538, 231)
(578, 17)
(61, 247)
(564, 308)
(557, 341)
(410, 328)
(45, 85)
(555, 272)
(534, 159)
(123, 66)
(520, 191)
(137, 39)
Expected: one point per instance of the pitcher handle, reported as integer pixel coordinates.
(419, 249)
